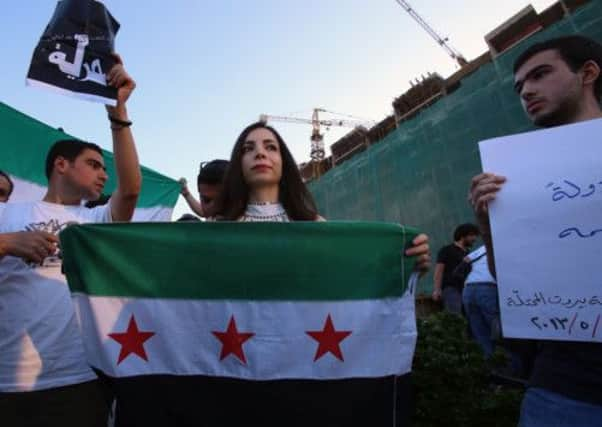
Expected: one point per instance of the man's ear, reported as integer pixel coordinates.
(60, 165)
(590, 72)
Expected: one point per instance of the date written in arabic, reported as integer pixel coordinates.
(574, 324)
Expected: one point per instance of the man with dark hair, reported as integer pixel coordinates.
(6, 187)
(209, 184)
(68, 149)
(44, 376)
(558, 82)
(559, 62)
(446, 286)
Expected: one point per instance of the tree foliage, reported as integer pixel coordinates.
(452, 380)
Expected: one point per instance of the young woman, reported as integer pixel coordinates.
(263, 183)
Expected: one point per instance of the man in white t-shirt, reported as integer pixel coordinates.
(44, 377)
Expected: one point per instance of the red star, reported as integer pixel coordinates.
(132, 341)
(232, 341)
(329, 340)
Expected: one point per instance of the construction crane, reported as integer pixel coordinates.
(443, 42)
(317, 153)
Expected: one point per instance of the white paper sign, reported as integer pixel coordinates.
(547, 231)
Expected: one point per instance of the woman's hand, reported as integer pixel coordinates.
(420, 249)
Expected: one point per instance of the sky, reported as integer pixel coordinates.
(206, 69)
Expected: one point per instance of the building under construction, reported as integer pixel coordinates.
(414, 167)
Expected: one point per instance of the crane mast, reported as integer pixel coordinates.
(457, 56)
(317, 152)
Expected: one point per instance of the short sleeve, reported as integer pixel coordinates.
(443, 255)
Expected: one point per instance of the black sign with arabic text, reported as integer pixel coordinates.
(74, 53)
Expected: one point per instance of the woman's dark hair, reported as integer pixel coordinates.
(293, 194)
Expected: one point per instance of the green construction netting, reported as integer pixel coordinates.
(419, 174)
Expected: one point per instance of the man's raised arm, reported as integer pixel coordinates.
(129, 179)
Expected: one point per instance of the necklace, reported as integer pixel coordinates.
(262, 203)
(265, 212)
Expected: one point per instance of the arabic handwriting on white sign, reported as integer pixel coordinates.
(577, 232)
(548, 280)
(576, 322)
(567, 325)
(539, 298)
(571, 190)
(73, 69)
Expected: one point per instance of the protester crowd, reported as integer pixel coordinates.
(557, 81)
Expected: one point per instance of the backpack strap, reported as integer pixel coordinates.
(478, 258)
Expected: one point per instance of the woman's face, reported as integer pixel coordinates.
(261, 160)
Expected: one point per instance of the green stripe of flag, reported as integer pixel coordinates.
(238, 261)
(28, 140)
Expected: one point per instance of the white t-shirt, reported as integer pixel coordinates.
(480, 268)
(40, 345)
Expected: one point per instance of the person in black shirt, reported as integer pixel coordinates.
(559, 82)
(447, 287)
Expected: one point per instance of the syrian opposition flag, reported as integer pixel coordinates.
(26, 141)
(73, 55)
(247, 323)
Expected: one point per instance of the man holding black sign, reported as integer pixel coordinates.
(44, 376)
